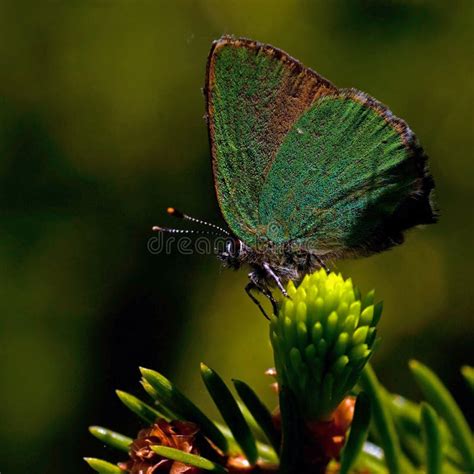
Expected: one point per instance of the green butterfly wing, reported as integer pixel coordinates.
(254, 93)
(348, 177)
(296, 160)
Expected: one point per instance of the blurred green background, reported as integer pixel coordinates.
(101, 128)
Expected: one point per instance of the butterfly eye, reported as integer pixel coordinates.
(233, 248)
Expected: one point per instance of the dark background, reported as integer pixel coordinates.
(101, 128)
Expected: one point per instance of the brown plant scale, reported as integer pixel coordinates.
(323, 441)
(182, 435)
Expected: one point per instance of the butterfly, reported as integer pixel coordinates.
(305, 172)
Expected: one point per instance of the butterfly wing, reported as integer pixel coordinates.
(254, 93)
(349, 177)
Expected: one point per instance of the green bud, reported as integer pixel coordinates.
(322, 337)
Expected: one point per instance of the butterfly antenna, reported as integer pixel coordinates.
(168, 230)
(181, 215)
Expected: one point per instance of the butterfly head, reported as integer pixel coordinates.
(234, 252)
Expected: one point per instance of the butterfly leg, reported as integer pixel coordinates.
(322, 264)
(256, 283)
(248, 289)
(276, 279)
(272, 300)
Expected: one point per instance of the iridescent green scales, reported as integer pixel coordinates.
(254, 97)
(240, 144)
(349, 170)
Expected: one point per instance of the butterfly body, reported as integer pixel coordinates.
(288, 262)
(304, 171)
